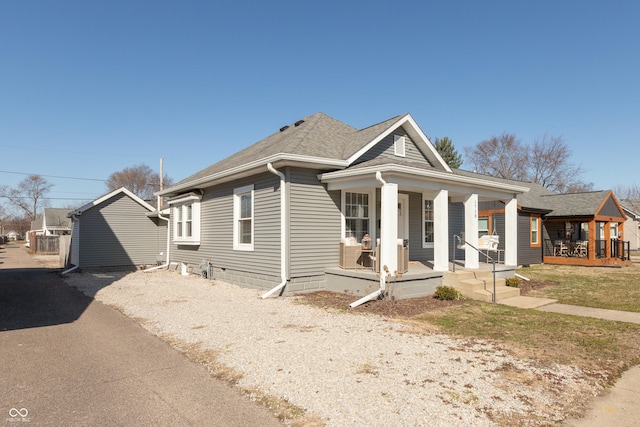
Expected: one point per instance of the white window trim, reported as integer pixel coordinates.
(180, 203)
(372, 212)
(399, 145)
(237, 192)
(427, 245)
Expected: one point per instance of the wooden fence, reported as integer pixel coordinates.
(47, 245)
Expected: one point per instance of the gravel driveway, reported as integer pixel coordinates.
(343, 369)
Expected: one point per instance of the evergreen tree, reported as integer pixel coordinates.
(448, 152)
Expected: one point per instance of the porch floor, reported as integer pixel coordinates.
(418, 270)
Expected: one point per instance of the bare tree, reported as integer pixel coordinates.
(546, 161)
(550, 166)
(503, 156)
(139, 179)
(631, 192)
(29, 195)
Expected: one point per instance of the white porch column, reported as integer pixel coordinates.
(441, 231)
(511, 232)
(388, 251)
(471, 256)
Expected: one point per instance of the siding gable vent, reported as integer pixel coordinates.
(399, 145)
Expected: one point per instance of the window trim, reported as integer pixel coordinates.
(535, 219)
(371, 210)
(179, 208)
(237, 197)
(427, 245)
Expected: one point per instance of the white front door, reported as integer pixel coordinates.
(403, 216)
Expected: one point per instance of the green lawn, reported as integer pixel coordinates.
(600, 287)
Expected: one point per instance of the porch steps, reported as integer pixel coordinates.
(478, 285)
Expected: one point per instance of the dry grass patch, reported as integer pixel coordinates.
(291, 414)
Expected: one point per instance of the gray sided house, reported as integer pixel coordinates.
(294, 212)
(632, 225)
(118, 230)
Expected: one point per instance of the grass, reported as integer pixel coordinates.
(603, 348)
(599, 287)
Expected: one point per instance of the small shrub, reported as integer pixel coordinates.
(447, 293)
(514, 282)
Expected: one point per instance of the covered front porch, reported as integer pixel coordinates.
(586, 242)
(422, 210)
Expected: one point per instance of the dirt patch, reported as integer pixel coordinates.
(527, 287)
(404, 308)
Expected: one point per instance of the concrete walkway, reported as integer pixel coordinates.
(617, 406)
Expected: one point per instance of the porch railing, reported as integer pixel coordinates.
(567, 248)
(460, 243)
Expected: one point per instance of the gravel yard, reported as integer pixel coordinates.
(343, 369)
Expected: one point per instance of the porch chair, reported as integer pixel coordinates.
(560, 249)
(350, 253)
(581, 248)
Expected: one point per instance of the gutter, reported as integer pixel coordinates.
(283, 232)
(166, 264)
(383, 278)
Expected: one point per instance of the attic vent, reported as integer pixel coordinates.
(283, 128)
(399, 145)
(298, 123)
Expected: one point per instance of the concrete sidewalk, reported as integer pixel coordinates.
(617, 406)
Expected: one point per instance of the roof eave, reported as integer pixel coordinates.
(277, 160)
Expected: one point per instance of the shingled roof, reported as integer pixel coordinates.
(318, 138)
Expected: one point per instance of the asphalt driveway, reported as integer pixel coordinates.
(69, 360)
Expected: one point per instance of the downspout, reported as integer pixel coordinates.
(166, 264)
(75, 267)
(283, 232)
(383, 278)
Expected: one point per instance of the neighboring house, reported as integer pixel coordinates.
(12, 235)
(585, 228)
(632, 224)
(273, 215)
(54, 222)
(118, 230)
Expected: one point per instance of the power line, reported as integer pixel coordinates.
(56, 176)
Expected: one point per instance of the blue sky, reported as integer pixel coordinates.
(88, 88)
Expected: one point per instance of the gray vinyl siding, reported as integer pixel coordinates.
(456, 227)
(216, 229)
(526, 253)
(75, 242)
(117, 233)
(314, 224)
(385, 148)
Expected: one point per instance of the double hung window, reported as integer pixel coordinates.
(427, 216)
(186, 219)
(356, 213)
(243, 222)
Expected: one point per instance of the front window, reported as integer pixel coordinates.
(356, 212)
(614, 230)
(243, 224)
(427, 214)
(483, 226)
